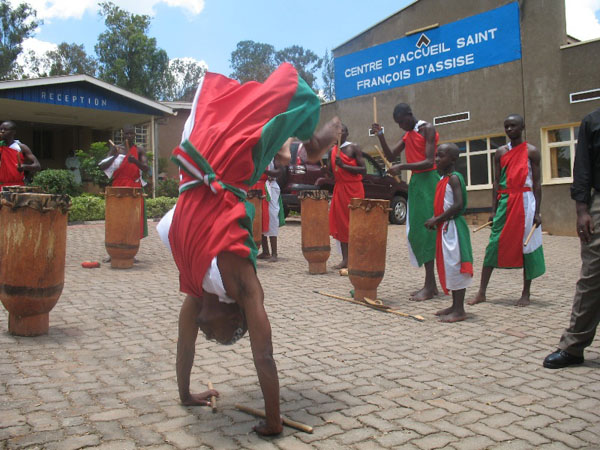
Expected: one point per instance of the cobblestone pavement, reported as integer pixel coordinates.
(104, 376)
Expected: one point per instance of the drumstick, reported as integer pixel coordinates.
(19, 160)
(374, 109)
(386, 162)
(288, 422)
(111, 143)
(213, 399)
(535, 225)
(482, 226)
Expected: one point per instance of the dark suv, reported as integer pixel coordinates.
(307, 176)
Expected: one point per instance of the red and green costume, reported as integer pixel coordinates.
(514, 218)
(9, 161)
(129, 175)
(347, 186)
(421, 191)
(454, 255)
(232, 134)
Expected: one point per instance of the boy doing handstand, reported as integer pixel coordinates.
(454, 257)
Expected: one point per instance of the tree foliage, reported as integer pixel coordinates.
(305, 61)
(186, 74)
(127, 57)
(16, 25)
(252, 61)
(70, 59)
(328, 75)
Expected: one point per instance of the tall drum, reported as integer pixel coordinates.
(315, 229)
(122, 227)
(33, 245)
(255, 197)
(367, 245)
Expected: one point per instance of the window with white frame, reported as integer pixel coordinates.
(558, 153)
(141, 136)
(476, 161)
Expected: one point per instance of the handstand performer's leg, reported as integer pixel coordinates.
(486, 274)
(186, 349)
(241, 284)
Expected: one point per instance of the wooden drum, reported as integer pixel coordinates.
(255, 197)
(367, 245)
(122, 227)
(33, 245)
(315, 229)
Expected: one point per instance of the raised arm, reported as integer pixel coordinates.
(112, 154)
(390, 153)
(323, 139)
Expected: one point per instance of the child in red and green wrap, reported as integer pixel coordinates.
(517, 196)
(419, 141)
(232, 134)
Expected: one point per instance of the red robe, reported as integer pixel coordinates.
(347, 186)
(128, 175)
(261, 186)
(9, 161)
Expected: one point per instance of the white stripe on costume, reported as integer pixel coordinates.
(411, 255)
(274, 193)
(455, 280)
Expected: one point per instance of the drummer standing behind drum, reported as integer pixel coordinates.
(419, 141)
(348, 167)
(15, 157)
(127, 171)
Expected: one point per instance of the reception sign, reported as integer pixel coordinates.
(483, 40)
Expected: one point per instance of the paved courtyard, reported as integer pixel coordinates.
(104, 376)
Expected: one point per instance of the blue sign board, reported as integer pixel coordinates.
(79, 94)
(483, 40)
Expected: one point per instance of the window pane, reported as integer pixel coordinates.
(462, 146)
(560, 162)
(461, 166)
(479, 170)
(575, 133)
(497, 141)
(477, 145)
(559, 135)
(371, 169)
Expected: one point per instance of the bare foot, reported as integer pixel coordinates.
(444, 312)
(202, 399)
(479, 298)
(263, 255)
(423, 294)
(523, 301)
(342, 265)
(454, 317)
(264, 430)
(273, 258)
(435, 292)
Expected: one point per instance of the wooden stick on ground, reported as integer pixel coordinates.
(213, 399)
(288, 422)
(373, 305)
(386, 162)
(535, 225)
(482, 227)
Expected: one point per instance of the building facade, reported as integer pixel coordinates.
(464, 68)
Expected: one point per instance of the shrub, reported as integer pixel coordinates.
(89, 160)
(167, 188)
(55, 181)
(159, 206)
(86, 207)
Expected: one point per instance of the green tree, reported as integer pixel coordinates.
(186, 74)
(17, 25)
(305, 61)
(70, 59)
(252, 61)
(328, 75)
(127, 57)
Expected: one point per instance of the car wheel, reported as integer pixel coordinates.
(398, 210)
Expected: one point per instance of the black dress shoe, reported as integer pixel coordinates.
(560, 359)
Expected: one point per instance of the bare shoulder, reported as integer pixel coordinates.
(501, 151)
(533, 153)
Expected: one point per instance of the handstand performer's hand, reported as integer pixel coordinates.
(265, 429)
(202, 399)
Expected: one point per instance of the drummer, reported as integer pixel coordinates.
(15, 157)
(125, 165)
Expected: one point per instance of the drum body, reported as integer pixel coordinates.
(315, 229)
(255, 197)
(367, 245)
(32, 257)
(122, 225)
